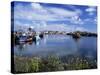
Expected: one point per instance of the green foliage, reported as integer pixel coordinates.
(21, 65)
(51, 63)
(34, 65)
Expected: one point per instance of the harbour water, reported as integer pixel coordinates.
(58, 45)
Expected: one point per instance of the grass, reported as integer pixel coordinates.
(51, 63)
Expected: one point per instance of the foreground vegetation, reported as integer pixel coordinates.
(51, 63)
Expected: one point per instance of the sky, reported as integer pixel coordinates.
(54, 17)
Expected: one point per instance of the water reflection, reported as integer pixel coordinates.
(30, 43)
(45, 40)
(22, 46)
(61, 45)
(37, 43)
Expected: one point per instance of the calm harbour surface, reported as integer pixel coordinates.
(59, 45)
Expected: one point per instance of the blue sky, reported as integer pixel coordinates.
(55, 17)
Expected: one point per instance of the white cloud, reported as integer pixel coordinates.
(42, 25)
(19, 25)
(63, 12)
(37, 12)
(77, 20)
(87, 20)
(91, 20)
(59, 27)
(91, 10)
(36, 6)
(81, 29)
(95, 20)
(91, 13)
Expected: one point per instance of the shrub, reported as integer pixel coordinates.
(52, 63)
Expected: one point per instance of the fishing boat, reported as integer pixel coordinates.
(25, 38)
(22, 39)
